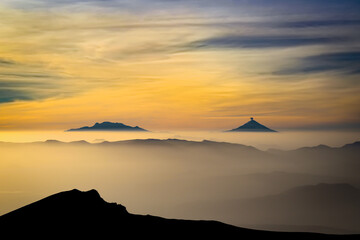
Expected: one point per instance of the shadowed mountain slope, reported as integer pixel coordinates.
(86, 214)
(332, 205)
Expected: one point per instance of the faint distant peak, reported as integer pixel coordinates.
(320, 147)
(252, 126)
(52, 141)
(355, 145)
(328, 188)
(324, 148)
(108, 126)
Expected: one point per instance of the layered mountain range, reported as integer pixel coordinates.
(75, 214)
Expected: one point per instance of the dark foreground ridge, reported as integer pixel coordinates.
(252, 126)
(108, 126)
(86, 214)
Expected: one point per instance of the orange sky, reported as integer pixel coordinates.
(171, 68)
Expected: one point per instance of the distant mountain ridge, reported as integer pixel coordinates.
(314, 205)
(108, 126)
(252, 126)
(355, 146)
(75, 213)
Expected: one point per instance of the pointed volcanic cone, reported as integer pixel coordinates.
(252, 126)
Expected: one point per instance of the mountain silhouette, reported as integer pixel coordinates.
(352, 146)
(85, 214)
(264, 183)
(108, 126)
(332, 205)
(178, 143)
(252, 126)
(174, 142)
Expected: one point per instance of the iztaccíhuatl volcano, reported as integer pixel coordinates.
(108, 126)
(252, 126)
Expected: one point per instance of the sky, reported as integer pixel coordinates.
(179, 64)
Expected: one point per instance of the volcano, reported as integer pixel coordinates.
(108, 126)
(252, 126)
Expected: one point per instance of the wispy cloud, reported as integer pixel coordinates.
(239, 41)
(317, 23)
(6, 62)
(344, 62)
(11, 95)
(25, 75)
(24, 82)
(14, 89)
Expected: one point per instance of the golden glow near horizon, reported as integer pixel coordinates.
(171, 68)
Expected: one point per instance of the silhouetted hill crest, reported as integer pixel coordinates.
(85, 214)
